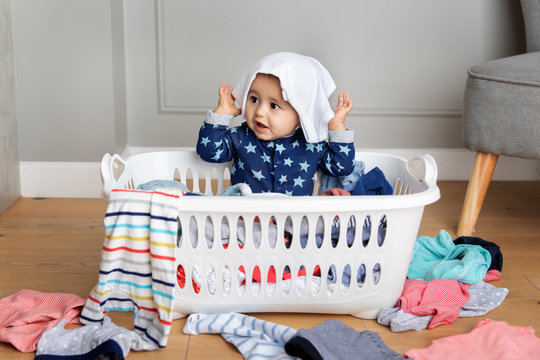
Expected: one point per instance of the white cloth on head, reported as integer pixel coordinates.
(305, 84)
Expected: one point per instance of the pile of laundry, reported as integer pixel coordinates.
(447, 279)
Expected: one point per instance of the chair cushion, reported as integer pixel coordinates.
(501, 113)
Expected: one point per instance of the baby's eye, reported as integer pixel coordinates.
(254, 99)
(274, 106)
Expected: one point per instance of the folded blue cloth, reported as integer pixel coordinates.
(439, 258)
(373, 183)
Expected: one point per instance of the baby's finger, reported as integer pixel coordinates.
(222, 88)
(340, 98)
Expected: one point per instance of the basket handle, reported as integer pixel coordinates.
(430, 168)
(108, 163)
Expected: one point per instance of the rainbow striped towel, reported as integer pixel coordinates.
(137, 263)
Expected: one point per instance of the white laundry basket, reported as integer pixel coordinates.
(359, 276)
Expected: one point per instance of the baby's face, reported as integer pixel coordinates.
(267, 114)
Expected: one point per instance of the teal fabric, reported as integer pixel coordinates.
(440, 258)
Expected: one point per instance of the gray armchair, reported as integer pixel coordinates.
(501, 114)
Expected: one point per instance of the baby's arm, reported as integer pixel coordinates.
(338, 158)
(226, 102)
(215, 143)
(341, 110)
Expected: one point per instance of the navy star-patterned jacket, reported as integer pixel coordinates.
(287, 165)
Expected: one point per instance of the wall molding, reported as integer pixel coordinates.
(82, 179)
(167, 107)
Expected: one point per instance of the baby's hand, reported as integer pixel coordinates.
(341, 110)
(226, 102)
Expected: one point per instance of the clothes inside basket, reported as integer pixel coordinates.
(287, 237)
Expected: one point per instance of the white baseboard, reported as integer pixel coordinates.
(60, 179)
(82, 180)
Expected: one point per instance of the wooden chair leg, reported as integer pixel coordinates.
(484, 165)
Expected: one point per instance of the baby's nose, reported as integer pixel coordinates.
(260, 110)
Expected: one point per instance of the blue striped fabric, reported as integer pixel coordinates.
(256, 339)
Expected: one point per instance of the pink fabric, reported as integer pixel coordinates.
(25, 315)
(442, 298)
(488, 340)
(336, 192)
(492, 275)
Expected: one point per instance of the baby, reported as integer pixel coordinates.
(282, 143)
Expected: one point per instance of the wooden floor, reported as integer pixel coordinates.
(53, 245)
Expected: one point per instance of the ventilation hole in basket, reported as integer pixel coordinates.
(196, 279)
(241, 277)
(176, 175)
(396, 187)
(304, 232)
(240, 232)
(209, 232)
(331, 279)
(286, 280)
(224, 230)
(226, 178)
(381, 233)
(214, 181)
(319, 233)
(211, 280)
(399, 187)
(301, 280)
(361, 275)
(316, 280)
(226, 280)
(179, 233)
(189, 180)
(376, 273)
(271, 280)
(272, 232)
(193, 232)
(351, 231)
(203, 183)
(366, 230)
(181, 276)
(288, 232)
(346, 278)
(256, 280)
(336, 225)
(256, 232)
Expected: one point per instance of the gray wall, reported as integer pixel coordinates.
(9, 163)
(95, 76)
(69, 79)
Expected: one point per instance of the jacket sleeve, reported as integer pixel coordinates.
(215, 143)
(338, 156)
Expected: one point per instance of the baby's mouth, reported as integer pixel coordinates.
(260, 125)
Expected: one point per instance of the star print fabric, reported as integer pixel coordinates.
(287, 165)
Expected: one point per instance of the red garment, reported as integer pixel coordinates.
(25, 315)
(442, 298)
(492, 275)
(488, 340)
